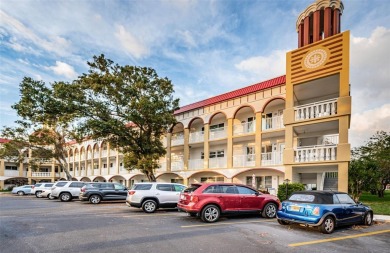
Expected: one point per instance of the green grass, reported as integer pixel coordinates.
(378, 205)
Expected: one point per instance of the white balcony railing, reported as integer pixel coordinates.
(89, 156)
(316, 153)
(105, 171)
(177, 165)
(24, 173)
(196, 136)
(244, 160)
(104, 153)
(218, 162)
(272, 158)
(177, 140)
(217, 133)
(244, 128)
(275, 122)
(316, 110)
(41, 174)
(96, 172)
(195, 164)
(83, 173)
(11, 173)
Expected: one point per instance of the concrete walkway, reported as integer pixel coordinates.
(378, 217)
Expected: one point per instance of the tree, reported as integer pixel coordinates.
(130, 107)
(45, 126)
(370, 166)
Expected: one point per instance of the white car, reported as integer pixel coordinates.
(22, 190)
(38, 188)
(45, 194)
(66, 190)
(152, 195)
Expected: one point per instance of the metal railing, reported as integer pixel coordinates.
(244, 128)
(272, 158)
(316, 110)
(244, 160)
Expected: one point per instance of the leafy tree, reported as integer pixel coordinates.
(45, 125)
(131, 107)
(370, 166)
(290, 188)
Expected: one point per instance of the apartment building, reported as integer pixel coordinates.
(291, 128)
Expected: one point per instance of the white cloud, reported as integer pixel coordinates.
(63, 69)
(365, 124)
(265, 66)
(130, 43)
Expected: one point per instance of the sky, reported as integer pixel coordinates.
(206, 47)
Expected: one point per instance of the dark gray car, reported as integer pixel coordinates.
(96, 192)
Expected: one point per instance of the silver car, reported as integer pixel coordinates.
(22, 190)
(66, 190)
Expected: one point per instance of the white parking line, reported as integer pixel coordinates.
(224, 223)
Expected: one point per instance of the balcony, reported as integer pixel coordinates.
(105, 171)
(195, 164)
(244, 160)
(177, 140)
(123, 171)
(273, 123)
(217, 133)
(41, 174)
(316, 110)
(218, 162)
(96, 172)
(196, 136)
(11, 173)
(177, 165)
(272, 158)
(244, 128)
(315, 153)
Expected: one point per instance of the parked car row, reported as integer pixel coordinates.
(209, 201)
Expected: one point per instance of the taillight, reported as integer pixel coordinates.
(194, 199)
(131, 192)
(33, 187)
(82, 189)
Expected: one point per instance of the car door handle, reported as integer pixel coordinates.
(157, 193)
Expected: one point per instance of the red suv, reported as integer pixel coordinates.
(211, 200)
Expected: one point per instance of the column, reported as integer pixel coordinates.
(336, 21)
(186, 148)
(343, 177)
(168, 160)
(53, 170)
(327, 22)
(258, 140)
(316, 26)
(117, 161)
(229, 150)
(300, 35)
(206, 148)
(108, 158)
(306, 35)
(2, 171)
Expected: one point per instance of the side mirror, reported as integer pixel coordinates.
(257, 193)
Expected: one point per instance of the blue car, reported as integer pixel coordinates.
(22, 190)
(323, 209)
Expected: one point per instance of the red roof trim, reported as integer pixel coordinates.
(233, 94)
(2, 140)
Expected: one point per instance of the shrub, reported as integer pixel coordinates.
(292, 187)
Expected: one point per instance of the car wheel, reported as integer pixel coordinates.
(368, 219)
(49, 196)
(65, 197)
(20, 193)
(210, 213)
(282, 222)
(95, 199)
(149, 206)
(38, 194)
(328, 225)
(269, 210)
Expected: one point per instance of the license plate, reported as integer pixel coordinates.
(295, 208)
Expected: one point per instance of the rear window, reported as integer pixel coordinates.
(76, 185)
(312, 198)
(302, 198)
(164, 187)
(142, 186)
(192, 188)
(48, 185)
(106, 186)
(59, 184)
(37, 185)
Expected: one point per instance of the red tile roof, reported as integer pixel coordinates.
(2, 140)
(233, 94)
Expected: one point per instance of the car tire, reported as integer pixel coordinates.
(149, 206)
(210, 213)
(95, 199)
(269, 211)
(65, 197)
(20, 193)
(282, 222)
(48, 196)
(38, 194)
(328, 225)
(368, 218)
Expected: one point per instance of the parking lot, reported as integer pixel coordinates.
(29, 224)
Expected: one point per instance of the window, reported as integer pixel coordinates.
(104, 165)
(142, 186)
(220, 153)
(201, 155)
(111, 165)
(268, 182)
(217, 127)
(177, 180)
(164, 187)
(11, 168)
(60, 184)
(211, 179)
(302, 198)
(106, 186)
(258, 182)
(178, 188)
(76, 185)
(345, 199)
(244, 190)
(213, 189)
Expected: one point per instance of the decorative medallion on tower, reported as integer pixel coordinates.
(315, 58)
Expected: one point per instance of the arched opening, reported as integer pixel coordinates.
(264, 180)
(206, 177)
